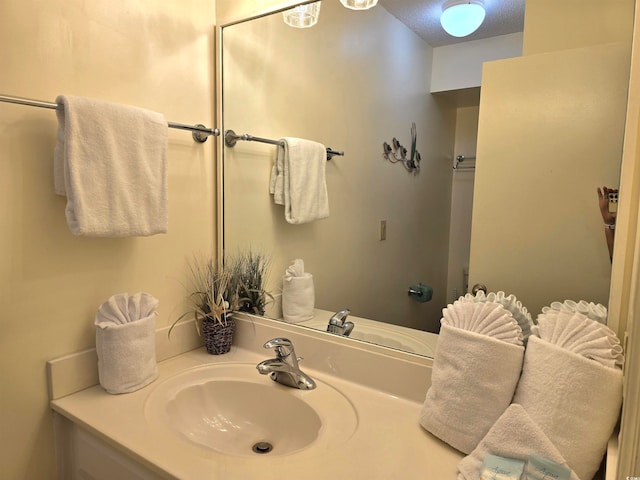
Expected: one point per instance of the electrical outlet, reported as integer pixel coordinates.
(383, 229)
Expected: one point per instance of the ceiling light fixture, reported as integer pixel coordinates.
(462, 17)
(303, 16)
(359, 4)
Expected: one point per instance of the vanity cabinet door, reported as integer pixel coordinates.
(83, 456)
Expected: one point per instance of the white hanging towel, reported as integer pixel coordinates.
(110, 162)
(298, 180)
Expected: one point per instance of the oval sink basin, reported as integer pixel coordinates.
(232, 409)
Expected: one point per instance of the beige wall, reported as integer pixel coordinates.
(551, 25)
(353, 101)
(547, 122)
(229, 11)
(459, 66)
(156, 55)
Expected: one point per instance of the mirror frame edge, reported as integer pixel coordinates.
(624, 302)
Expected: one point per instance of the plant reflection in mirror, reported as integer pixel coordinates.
(250, 271)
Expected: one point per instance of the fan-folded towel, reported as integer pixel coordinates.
(577, 333)
(298, 180)
(575, 401)
(110, 162)
(125, 342)
(472, 384)
(514, 435)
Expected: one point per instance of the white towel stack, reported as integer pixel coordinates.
(567, 399)
(110, 162)
(125, 342)
(298, 180)
(511, 303)
(298, 293)
(467, 394)
(574, 400)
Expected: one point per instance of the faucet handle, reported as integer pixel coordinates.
(278, 342)
(283, 346)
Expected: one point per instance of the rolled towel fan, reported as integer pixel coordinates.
(510, 302)
(577, 333)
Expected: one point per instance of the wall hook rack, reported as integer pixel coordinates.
(411, 163)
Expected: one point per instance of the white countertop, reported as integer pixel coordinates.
(387, 444)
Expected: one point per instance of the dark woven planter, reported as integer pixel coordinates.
(218, 336)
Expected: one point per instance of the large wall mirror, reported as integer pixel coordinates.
(546, 129)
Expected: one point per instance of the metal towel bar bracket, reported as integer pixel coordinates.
(231, 138)
(200, 133)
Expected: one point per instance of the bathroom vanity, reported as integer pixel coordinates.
(216, 417)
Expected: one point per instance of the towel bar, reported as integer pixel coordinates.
(462, 158)
(200, 133)
(231, 138)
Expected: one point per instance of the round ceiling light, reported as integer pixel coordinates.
(462, 17)
(359, 4)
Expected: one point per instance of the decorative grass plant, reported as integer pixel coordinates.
(213, 293)
(250, 271)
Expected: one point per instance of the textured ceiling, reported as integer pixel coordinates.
(423, 17)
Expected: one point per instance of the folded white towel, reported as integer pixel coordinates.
(597, 312)
(576, 333)
(486, 318)
(468, 391)
(510, 303)
(110, 162)
(514, 435)
(125, 342)
(298, 294)
(298, 180)
(575, 401)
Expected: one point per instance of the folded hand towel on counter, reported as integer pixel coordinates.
(514, 435)
(125, 342)
(468, 393)
(574, 400)
(298, 293)
(110, 162)
(298, 180)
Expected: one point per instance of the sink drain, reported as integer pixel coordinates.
(262, 447)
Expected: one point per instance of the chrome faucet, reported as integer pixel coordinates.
(284, 368)
(338, 325)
